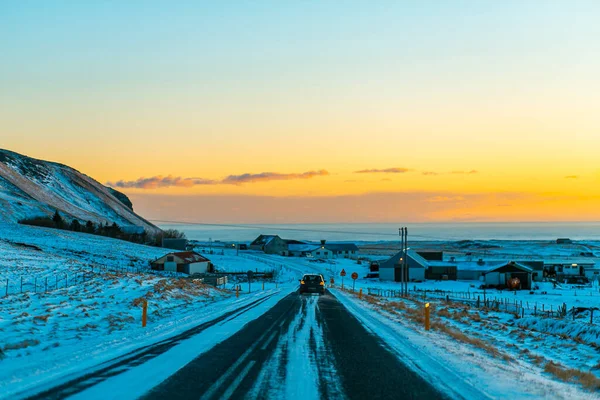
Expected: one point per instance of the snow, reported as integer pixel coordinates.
(30, 188)
(458, 369)
(137, 381)
(46, 336)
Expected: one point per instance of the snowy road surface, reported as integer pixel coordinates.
(302, 347)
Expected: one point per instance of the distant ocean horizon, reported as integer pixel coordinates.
(377, 232)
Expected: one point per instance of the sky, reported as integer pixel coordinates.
(325, 111)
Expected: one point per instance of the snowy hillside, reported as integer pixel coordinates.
(30, 188)
(71, 311)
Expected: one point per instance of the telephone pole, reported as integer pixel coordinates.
(406, 260)
(401, 263)
(403, 232)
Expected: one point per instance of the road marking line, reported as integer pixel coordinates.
(215, 386)
(269, 340)
(238, 380)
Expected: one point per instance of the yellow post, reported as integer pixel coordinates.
(427, 316)
(144, 312)
(263, 286)
(237, 291)
(360, 294)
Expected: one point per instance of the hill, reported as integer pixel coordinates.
(31, 188)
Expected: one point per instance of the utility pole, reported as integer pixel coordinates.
(406, 260)
(401, 233)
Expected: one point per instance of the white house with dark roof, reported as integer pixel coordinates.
(188, 262)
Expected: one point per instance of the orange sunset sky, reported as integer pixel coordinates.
(314, 112)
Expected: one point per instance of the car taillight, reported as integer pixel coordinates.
(322, 283)
(302, 282)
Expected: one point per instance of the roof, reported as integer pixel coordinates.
(189, 256)
(569, 261)
(303, 247)
(263, 240)
(341, 246)
(513, 264)
(395, 259)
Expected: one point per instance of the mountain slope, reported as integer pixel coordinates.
(30, 187)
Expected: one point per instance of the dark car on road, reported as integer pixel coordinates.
(312, 283)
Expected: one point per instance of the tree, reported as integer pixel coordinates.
(58, 221)
(173, 234)
(89, 227)
(75, 226)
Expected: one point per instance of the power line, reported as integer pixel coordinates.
(437, 238)
(273, 228)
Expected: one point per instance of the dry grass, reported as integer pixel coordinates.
(41, 318)
(585, 378)
(475, 342)
(21, 345)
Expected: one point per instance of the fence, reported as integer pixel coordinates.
(262, 260)
(50, 282)
(483, 300)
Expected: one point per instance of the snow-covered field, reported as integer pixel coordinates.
(42, 333)
(475, 354)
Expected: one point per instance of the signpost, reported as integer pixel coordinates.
(250, 276)
(354, 278)
(343, 274)
(331, 282)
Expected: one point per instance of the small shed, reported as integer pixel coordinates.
(499, 276)
(188, 262)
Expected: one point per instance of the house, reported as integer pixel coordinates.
(342, 250)
(175, 244)
(390, 269)
(270, 244)
(569, 267)
(474, 270)
(499, 276)
(188, 262)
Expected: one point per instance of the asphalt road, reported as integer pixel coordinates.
(305, 347)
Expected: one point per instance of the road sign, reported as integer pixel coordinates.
(343, 273)
(354, 278)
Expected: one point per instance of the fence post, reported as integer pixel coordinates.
(591, 315)
(46, 287)
(6, 295)
(66, 280)
(535, 310)
(21, 283)
(35, 284)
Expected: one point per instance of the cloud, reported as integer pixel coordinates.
(430, 173)
(270, 176)
(384, 171)
(572, 177)
(161, 182)
(471, 172)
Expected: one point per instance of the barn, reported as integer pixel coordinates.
(499, 276)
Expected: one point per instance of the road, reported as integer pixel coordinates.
(304, 347)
